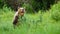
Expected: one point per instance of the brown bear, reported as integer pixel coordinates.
(20, 13)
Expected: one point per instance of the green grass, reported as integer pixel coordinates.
(38, 23)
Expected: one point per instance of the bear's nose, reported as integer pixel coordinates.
(22, 11)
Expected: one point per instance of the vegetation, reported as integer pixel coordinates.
(39, 23)
(31, 5)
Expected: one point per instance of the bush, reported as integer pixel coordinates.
(55, 12)
(29, 9)
(56, 16)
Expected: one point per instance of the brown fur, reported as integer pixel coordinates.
(20, 12)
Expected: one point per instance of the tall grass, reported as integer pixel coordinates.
(31, 23)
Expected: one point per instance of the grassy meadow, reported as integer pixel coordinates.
(39, 23)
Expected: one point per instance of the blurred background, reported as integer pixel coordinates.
(41, 17)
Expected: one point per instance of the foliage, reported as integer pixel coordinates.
(31, 5)
(31, 24)
(28, 8)
(41, 4)
(1, 3)
(55, 11)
